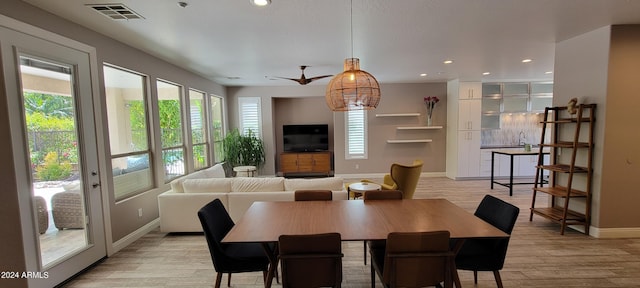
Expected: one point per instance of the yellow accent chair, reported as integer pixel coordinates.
(402, 177)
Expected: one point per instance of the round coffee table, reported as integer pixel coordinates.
(359, 188)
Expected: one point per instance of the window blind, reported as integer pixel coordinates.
(356, 134)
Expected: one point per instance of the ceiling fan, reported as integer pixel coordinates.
(304, 80)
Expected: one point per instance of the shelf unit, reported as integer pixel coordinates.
(398, 115)
(567, 170)
(409, 141)
(419, 128)
(404, 141)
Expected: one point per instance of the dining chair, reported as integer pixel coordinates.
(489, 254)
(312, 260)
(379, 195)
(402, 177)
(313, 195)
(414, 259)
(229, 257)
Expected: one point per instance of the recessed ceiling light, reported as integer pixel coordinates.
(548, 72)
(423, 75)
(260, 2)
(526, 60)
(448, 61)
(486, 73)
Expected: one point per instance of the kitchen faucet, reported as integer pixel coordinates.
(522, 138)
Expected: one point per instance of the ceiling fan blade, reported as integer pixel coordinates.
(292, 79)
(303, 80)
(318, 77)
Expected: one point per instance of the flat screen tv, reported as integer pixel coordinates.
(309, 137)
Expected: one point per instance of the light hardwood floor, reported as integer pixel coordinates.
(538, 255)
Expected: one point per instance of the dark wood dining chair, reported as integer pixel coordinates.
(309, 261)
(414, 259)
(489, 254)
(383, 195)
(229, 257)
(313, 195)
(379, 195)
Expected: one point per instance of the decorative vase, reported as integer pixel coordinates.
(428, 120)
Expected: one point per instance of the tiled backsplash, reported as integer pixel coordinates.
(515, 129)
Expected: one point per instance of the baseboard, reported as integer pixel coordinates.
(596, 232)
(132, 237)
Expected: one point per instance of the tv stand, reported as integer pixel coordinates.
(305, 162)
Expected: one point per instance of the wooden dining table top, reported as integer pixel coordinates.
(357, 220)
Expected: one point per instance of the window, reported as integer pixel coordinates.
(170, 117)
(128, 121)
(217, 127)
(199, 140)
(249, 109)
(356, 134)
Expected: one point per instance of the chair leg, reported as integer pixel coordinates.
(475, 277)
(365, 252)
(373, 277)
(218, 279)
(229, 280)
(496, 274)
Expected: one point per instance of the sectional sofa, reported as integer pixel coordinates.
(179, 206)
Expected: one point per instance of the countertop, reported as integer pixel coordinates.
(534, 151)
(505, 146)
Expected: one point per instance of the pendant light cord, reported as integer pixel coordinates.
(352, 29)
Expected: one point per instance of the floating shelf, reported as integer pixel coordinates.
(399, 115)
(419, 127)
(409, 141)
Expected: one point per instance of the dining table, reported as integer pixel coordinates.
(358, 220)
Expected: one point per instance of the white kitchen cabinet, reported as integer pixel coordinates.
(469, 153)
(485, 162)
(469, 114)
(470, 90)
(464, 117)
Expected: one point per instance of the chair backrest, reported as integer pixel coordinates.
(417, 259)
(311, 260)
(498, 213)
(313, 195)
(406, 177)
(216, 223)
(503, 216)
(383, 195)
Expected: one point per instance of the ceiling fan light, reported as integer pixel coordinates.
(260, 2)
(353, 89)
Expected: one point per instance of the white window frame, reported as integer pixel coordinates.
(355, 134)
(214, 141)
(203, 122)
(250, 115)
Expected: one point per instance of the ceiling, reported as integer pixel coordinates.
(237, 44)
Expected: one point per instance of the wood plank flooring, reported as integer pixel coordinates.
(538, 255)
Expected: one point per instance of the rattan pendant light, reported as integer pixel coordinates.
(353, 89)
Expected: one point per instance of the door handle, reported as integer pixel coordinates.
(95, 185)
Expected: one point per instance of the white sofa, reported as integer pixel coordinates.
(179, 206)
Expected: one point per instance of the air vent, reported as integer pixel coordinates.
(116, 11)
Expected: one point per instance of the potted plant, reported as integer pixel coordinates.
(243, 150)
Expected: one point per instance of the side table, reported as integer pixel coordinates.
(359, 188)
(245, 171)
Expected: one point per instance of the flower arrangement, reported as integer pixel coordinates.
(430, 101)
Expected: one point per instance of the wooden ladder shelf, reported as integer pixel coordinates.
(570, 170)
